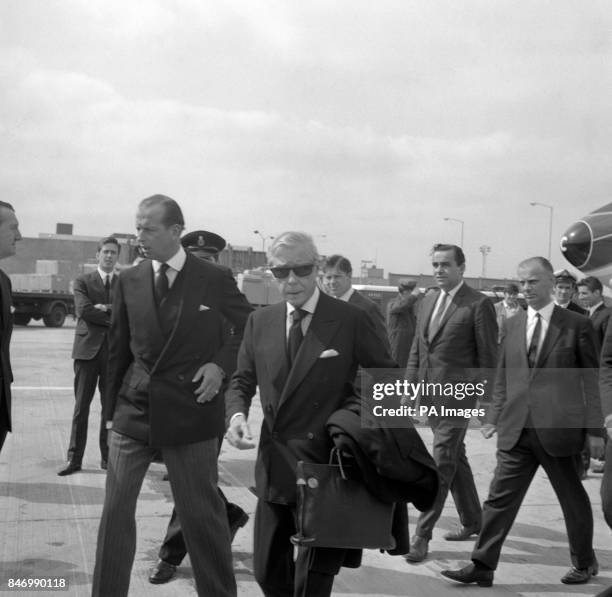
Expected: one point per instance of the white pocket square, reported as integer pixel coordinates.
(327, 354)
(203, 308)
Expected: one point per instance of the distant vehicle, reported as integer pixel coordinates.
(46, 294)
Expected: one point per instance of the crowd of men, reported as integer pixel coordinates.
(178, 354)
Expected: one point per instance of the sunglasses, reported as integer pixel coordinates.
(301, 271)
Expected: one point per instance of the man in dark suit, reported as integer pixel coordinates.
(9, 235)
(204, 245)
(92, 303)
(590, 295)
(168, 357)
(455, 342)
(401, 321)
(337, 273)
(545, 396)
(303, 354)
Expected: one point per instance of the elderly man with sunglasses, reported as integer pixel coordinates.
(303, 353)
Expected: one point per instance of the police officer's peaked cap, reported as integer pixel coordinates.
(202, 240)
(563, 275)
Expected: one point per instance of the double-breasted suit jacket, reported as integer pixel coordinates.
(155, 353)
(560, 394)
(297, 402)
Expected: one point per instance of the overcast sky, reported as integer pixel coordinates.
(367, 122)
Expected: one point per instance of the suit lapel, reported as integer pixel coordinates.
(274, 346)
(320, 332)
(427, 309)
(552, 335)
(6, 301)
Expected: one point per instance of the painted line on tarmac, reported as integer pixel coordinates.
(59, 388)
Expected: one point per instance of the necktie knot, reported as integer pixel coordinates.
(161, 283)
(298, 315)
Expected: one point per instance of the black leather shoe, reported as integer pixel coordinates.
(470, 574)
(237, 522)
(418, 550)
(463, 534)
(103, 464)
(71, 468)
(579, 576)
(161, 573)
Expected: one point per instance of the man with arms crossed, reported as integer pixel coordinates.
(303, 353)
(168, 356)
(455, 342)
(92, 303)
(545, 396)
(9, 235)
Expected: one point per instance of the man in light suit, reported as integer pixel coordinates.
(92, 303)
(337, 273)
(455, 342)
(303, 354)
(545, 396)
(9, 235)
(168, 357)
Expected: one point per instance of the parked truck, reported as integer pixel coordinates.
(45, 294)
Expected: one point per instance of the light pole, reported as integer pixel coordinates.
(550, 223)
(460, 222)
(263, 238)
(485, 250)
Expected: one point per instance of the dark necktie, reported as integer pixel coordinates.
(295, 334)
(532, 353)
(161, 283)
(434, 324)
(107, 289)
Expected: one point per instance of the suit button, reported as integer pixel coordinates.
(269, 408)
(180, 377)
(310, 435)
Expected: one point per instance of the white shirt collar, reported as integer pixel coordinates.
(545, 312)
(309, 306)
(176, 262)
(595, 307)
(347, 295)
(453, 291)
(103, 274)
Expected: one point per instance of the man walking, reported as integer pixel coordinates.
(168, 357)
(303, 354)
(92, 302)
(545, 396)
(455, 342)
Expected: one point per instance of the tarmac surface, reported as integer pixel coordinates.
(48, 524)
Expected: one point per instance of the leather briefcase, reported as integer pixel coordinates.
(334, 509)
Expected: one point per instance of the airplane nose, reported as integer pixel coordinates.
(577, 244)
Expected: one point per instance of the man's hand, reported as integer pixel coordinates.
(212, 378)
(488, 430)
(101, 307)
(238, 433)
(596, 445)
(609, 430)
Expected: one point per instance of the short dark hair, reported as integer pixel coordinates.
(7, 205)
(458, 251)
(511, 288)
(172, 211)
(592, 283)
(342, 263)
(109, 240)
